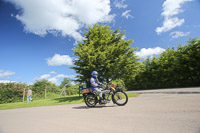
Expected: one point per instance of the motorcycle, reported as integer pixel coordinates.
(116, 94)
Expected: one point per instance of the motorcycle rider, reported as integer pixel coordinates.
(95, 86)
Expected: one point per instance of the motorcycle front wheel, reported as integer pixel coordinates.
(90, 100)
(120, 98)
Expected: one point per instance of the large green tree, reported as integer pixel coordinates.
(105, 51)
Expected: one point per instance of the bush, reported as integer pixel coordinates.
(11, 92)
(119, 83)
(38, 88)
(176, 67)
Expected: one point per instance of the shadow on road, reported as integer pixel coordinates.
(68, 99)
(98, 106)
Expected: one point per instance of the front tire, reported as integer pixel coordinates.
(90, 100)
(120, 98)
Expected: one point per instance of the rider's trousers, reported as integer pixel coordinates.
(99, 91)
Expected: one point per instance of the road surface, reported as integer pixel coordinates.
(154, 111)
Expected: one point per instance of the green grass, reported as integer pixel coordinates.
(47, 102)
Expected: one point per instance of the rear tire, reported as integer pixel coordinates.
(90, 100)
(120, 98)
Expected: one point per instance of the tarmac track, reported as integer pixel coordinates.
(154, 111)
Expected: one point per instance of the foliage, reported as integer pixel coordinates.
(11, 92)
(38, 88)
(72, 90)
(105, 51)
(66, 82)
(178, 67)
(119, 83)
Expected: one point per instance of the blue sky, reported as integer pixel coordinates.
(37, 37)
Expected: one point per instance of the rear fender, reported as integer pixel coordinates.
(90, 93)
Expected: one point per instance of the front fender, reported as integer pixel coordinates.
(119, 89)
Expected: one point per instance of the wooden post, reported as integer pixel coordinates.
(23, 94)
(45, 91)
(63, 91)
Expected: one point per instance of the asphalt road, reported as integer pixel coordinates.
(154, 111)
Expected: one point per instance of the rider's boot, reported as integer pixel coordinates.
(101, 101)
(104, 97)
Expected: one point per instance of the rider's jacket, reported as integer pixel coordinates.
(94, 83)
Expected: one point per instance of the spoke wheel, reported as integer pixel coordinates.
(90, 100)
(120, 98)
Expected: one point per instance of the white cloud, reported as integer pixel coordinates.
(7, 81)
(6, 73)
(61, 76)
(58, 60)
(53, 80)
(127, 14)
(169, 24)
(57, 79)
(75, 43)
(149, 52)
(64, 76)
(177, 34)
(43, 77)
(170, 9)
(63, 16)
(53, 72)
(120, 4)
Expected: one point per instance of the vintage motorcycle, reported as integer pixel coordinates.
(116, 94)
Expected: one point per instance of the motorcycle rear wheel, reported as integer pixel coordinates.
(90, 100)
(120, 98)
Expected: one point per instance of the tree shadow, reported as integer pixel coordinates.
(68, 99)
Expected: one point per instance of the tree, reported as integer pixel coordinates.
(38, 88)
(66, 82)
(11, 92)
(105, 51)
(176, 67)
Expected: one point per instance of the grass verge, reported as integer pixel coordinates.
(47, 102)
